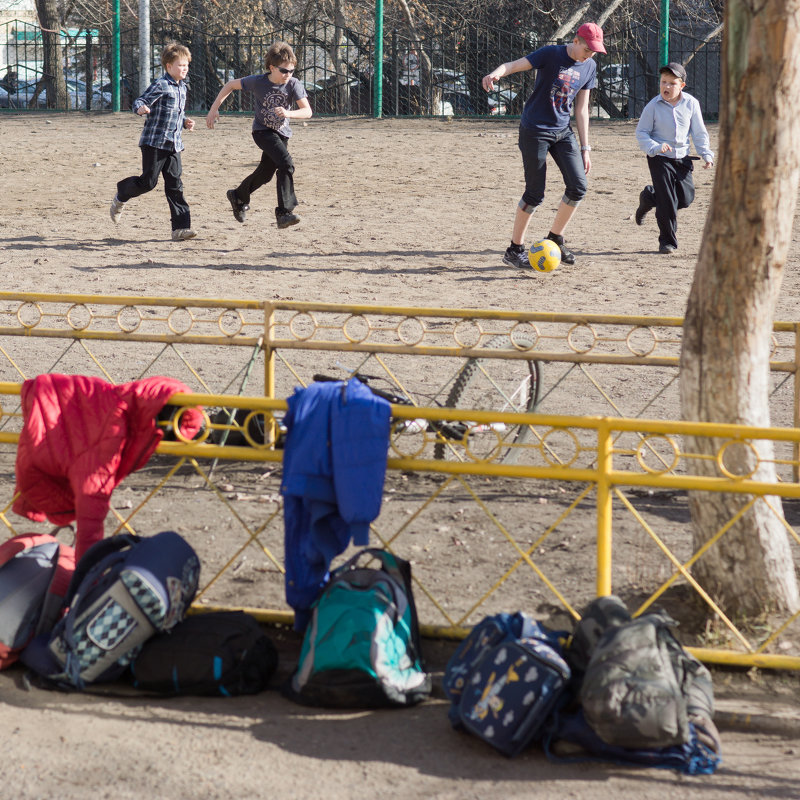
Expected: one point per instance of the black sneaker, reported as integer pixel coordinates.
(239, 208)
(666, 249)
(644, 204)
(287, 220)
(567, 256)
(517, 258)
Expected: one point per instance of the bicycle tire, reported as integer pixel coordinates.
(457, 396)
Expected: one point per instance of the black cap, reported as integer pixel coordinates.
(676, 69)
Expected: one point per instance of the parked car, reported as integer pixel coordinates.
(76, 91)
(613, 78)
(76, 96)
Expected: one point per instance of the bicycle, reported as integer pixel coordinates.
(477, 385)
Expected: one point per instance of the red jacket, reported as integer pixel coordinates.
(81, 437)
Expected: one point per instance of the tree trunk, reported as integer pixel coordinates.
(728, 325)
(342, 86)
(52, 80)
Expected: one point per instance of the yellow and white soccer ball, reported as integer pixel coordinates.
(544, 255)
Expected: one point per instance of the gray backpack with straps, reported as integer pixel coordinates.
(642, 689)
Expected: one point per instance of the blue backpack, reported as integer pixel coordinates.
(362, 647)
(125, 589)
(506, 680)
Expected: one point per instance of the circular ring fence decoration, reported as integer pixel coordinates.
(175, 421)
(230, 322)
(79, 317)
(489, 451)
(29, 315)
(180, 321)
(409, 438)
(556, 446)
(356, 328)
(129, 318)
(659, 447)
(302, 326)
(410, 331)
(467, 333)
(524, 336)
(648, 343)
(738, 451)
(576, 335)
(260, 423)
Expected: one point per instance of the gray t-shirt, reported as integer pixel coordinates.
(269, 96)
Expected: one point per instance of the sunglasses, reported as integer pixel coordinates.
(286, 71)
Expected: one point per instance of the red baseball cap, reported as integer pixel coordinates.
(593, 36)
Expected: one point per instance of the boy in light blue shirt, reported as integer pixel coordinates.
(665, 127)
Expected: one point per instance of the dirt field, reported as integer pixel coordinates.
(393, 212)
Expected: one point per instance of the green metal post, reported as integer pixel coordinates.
(115, 48)
(377, 88)
(663, 52)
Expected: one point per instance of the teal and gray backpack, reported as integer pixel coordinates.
(362, 646)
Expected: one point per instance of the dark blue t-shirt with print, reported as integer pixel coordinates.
(267, 97)
(558, 79)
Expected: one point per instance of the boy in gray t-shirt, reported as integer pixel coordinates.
(274, 93)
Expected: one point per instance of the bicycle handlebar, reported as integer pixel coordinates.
(397, 399)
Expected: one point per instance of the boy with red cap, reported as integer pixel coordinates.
(565, 75)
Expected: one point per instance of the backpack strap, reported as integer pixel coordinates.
(98, 552)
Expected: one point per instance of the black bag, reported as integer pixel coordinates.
(218, 653)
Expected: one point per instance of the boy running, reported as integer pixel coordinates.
(663, 132)
(163, 104)
(274, 92)
(565, 74)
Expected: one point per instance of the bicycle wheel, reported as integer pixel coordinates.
(495, 384)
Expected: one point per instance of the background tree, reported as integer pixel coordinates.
(53, 80)
(728, 324)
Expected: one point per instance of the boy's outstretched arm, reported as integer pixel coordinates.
(213, 112)
(509, 68)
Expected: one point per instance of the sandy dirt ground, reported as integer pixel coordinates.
(393, 212)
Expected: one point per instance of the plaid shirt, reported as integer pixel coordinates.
(166, 99)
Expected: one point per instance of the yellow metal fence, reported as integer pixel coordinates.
(521, 510)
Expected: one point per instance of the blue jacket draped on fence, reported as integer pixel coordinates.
(334, 465)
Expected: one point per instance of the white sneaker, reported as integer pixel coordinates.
(116, 209)
(181, 234)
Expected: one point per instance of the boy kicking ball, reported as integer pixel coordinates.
(274, 93)
(163, 105)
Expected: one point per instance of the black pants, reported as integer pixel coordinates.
(156, 161)
(275, 160)
(673, 188)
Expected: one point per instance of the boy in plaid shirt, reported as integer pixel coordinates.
(163, 104)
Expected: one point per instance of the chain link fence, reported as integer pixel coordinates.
(436, 76)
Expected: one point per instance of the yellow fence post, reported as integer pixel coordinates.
(604, 466)
(269, 351)
(796, 404)
(271, 429)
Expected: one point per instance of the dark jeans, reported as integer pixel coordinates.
(673, 188)
(563, 147)
(167, 163)
(275, 160)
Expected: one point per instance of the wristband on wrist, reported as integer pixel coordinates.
(585, 147)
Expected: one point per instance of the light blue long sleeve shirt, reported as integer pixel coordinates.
(662, 122)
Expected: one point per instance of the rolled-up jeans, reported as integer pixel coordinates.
(563, 147)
